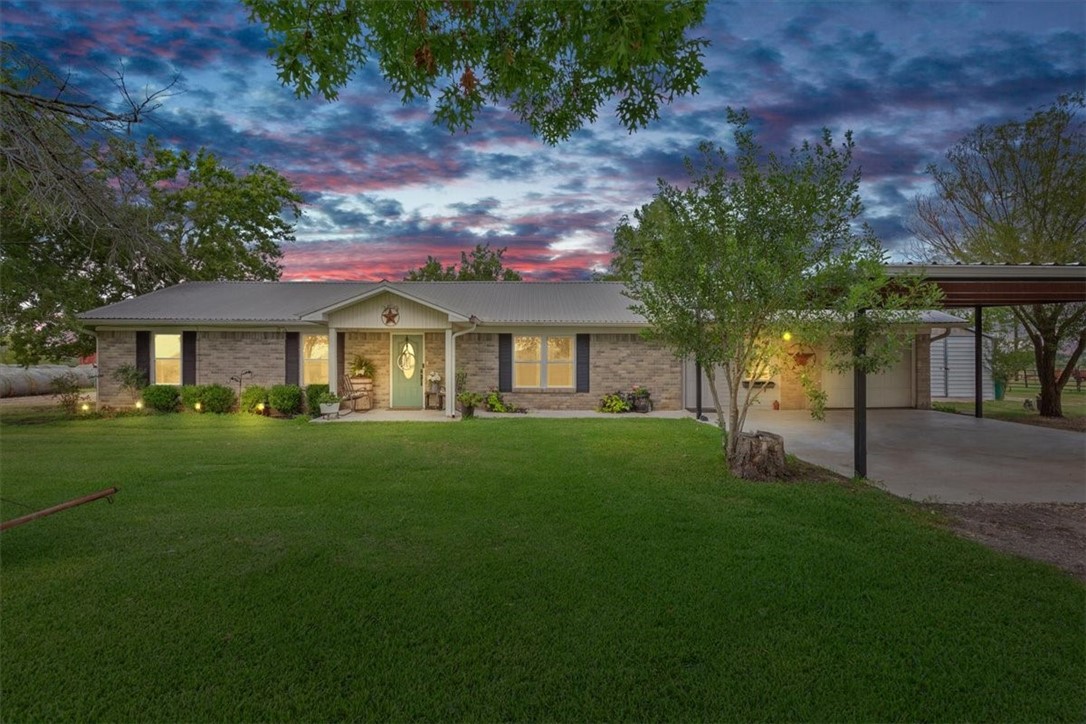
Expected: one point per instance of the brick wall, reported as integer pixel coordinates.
(222, 355)
(618, 362)
(373, 346)
(114, 350)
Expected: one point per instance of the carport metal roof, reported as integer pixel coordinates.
(1001, 285)
(977, 286)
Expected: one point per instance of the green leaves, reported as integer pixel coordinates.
(483, 264)
(756, 246)
(552, 62)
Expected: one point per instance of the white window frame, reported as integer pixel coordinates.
(544, 362)
(180, 357)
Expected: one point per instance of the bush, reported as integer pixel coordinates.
(163, 398)
(614, 402)
(66, 390)
(253, 397)
(285, 399)
(313, 393)
(130, 378)
(190, 395)
(218, 399)
(496, 403)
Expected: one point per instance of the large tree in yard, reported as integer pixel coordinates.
(1016, 193)
(757, 256)
(203, 221)
(553, 63)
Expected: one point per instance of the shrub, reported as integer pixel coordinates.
(218, 398)
(614, 402)
(129, 377)
(163, 398)
(312, 401)
(66, 390)
(190, 395)
(496, 403)
(253, 397)
(285, 399)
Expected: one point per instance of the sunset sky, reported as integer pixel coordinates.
(384, 187)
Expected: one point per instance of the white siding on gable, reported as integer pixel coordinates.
(368, 314)
(953, 367)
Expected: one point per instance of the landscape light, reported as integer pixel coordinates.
(85, 407)
(260, 407)
(787, 336)
(139, 404)
(198, 406)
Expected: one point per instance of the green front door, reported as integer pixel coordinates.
(407, 370)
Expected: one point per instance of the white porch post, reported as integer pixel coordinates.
(333, 362)
(450, 373)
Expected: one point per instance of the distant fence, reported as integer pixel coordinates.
(16, 381)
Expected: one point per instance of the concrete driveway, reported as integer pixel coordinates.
(936, 456)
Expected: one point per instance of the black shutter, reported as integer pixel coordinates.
(341, 356)
(292, 358)
(188, 358)
(143, 354)
(505, 363)
(583, 346)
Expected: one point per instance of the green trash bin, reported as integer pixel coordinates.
(1000, 389)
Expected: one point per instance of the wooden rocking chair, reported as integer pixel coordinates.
(359, 399)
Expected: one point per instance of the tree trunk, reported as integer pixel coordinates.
(1050, 403)
(758, 456)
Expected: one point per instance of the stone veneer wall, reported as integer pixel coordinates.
(618, 362)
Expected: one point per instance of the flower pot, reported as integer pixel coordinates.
(642, 404)
(468, 410)
(435, 388)
(329, 408)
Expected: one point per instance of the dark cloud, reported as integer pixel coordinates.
(384, 187)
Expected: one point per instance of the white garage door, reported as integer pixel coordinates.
(890, 388)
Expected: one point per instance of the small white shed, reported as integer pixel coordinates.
(953, 366)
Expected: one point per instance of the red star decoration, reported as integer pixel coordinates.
(391, 315)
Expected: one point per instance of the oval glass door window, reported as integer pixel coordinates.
(407, 361)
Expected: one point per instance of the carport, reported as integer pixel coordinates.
(976, 286)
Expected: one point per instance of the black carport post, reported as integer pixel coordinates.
(978, 376)
(859, 400)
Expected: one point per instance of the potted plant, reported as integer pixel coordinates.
(468, 402)
(329, 403)
(361, 367)
(434, 378)
(640, 400)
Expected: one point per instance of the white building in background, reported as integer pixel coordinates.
(953, 366)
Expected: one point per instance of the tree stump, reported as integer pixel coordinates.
(758, 456)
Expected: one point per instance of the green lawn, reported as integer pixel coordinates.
(253, 569)
(1011, 408)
